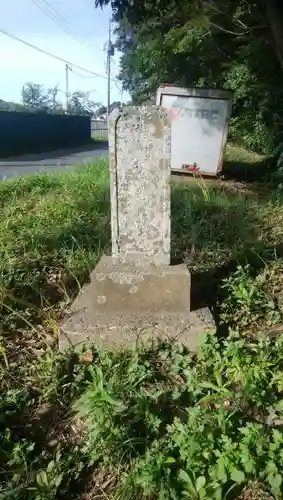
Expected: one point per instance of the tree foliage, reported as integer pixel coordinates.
(11, 106)
(234, 44)
(80, 104)
(102, 110)
(36, 98)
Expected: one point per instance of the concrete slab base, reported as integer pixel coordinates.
(126, 303)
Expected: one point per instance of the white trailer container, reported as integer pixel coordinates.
(199, 127)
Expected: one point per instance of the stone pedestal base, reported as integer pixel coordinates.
(125, 303)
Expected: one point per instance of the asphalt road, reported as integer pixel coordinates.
(55, 160)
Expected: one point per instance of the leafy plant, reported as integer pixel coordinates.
(249, 300)
(152, 422)
(198, 429)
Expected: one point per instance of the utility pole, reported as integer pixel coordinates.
(67, 86)
(110, 53)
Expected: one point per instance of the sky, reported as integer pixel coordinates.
(20, 64)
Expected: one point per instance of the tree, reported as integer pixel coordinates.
(133, 11)
(79, 104)
(36, 98)
(102, 110)
(54, 106)
(11, 106)
(115, 105)
(273, 13)
(234, 44)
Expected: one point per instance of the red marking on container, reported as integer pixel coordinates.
(191, 168)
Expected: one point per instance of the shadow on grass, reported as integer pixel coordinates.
(34, 431)
(242, 165)
(211, 227)
(55, 258)
(41, 416)
(206, 287)
(211, 231)
(248, 172)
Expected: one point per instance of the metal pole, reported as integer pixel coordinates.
(109, 53)
(67, 87)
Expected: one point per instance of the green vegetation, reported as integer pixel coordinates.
(155, 422)
(234, 44)
(54, 227)
(242, 164)
(152, 422)
(38, 99)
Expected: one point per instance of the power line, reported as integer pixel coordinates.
(79, 74)
(53, 14)
(58, 58)
(121, 90)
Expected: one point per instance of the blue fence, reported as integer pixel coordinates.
(36, 132)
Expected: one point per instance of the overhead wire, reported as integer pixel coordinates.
(79, 74)
(53, 14)
(119, 88)
(114, 80)
(54, 56)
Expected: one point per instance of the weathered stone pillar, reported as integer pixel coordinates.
(136, 293)
(139, 147)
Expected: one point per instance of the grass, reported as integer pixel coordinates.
(149, 423)
(100, 136)
(54, 228)
(246, 165)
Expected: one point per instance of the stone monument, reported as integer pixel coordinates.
(139, 146)
(136, 293)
